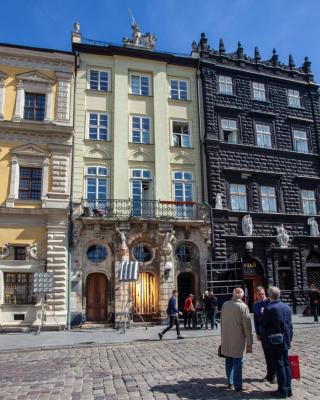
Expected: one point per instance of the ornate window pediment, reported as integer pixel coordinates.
(29, 150)
(34, 77)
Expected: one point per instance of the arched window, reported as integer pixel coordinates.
(142, 252)
(185, 252)
(97, 253)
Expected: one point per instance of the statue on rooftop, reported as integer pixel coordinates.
(139, 39)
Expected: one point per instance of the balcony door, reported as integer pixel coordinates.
(142, 193)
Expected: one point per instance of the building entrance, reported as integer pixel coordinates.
(253, 276)
(144, 296)
(96, 298)
(185, 287)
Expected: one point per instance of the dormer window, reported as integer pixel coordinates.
(34, 106)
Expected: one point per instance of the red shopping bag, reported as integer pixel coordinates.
(294, 366)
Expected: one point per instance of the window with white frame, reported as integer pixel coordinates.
(268, 199)
(238, 197)
(179, 89)
(140, 129)
(308, 202)
(183, 186)
(225, 84)
(98, 126)
(181, 136)
(140, 85)
(230, 130)
(263, 132)
(300, 141)
(97, 178)
(142, 192)
(259, 91)
(294, 98)
(99, 80)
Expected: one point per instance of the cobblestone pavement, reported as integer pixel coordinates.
(171, 369)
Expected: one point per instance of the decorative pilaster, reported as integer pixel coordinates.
(2, 90)
(19, 108)
(63, 97)
(45, 179)
(49, 103)
(14, 182)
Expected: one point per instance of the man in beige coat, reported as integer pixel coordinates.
(236, 337)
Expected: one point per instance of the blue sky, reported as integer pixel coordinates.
(291, 26)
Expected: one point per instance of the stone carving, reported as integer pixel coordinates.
(169, 240)
(249, 246)
(122, 240)
(32, 251)
(314, 229)
(247, 225)
(206, 234)
(76, 27)
(4, 251)
(218, 205)
(282, 237)
(139, 39)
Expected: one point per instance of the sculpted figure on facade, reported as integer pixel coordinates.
(314, 229)
(4, 251)
(32, 251)
(169, 240)
(121, 240)
(282, 237)
(139, 39)
(247, 225)
(218, 205)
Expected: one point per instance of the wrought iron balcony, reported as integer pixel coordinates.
(143, 209)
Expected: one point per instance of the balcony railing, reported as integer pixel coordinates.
(141, 209)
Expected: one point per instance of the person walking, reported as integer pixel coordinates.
(188, 311)
(211, 304)
(258, 309)
(173, 314)
(314, 302)
(276, 335)
(236, 338)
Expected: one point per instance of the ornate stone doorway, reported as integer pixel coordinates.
(186, 285)
(144, 295)
(96, 298)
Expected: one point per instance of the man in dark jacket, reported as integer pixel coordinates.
(173, 314)
(276, 336)
(258, 309)
(314, 300)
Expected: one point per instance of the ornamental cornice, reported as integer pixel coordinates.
(34, 137)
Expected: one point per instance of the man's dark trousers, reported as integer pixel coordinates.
(271, 372)
(281, 364)
(172, 321)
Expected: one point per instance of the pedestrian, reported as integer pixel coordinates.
(236, 338)
(211, 304)
(188, 311)
(276, 335)
(173, 313)
(258, 309)
(314, 302)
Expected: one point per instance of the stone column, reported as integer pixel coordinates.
(19, 108)
(14, 182)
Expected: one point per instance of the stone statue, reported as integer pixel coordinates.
(76, 27)
(122, 240)
(314, 229)
(194, 46)
(282, 237)
(168, 241)
(32, 251)
(218, 205)
(4, 251)
(139, 39)
(247, 225)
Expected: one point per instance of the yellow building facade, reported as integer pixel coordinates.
(137, 185)
(36, 127)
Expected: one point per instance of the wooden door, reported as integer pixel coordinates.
(97, 299)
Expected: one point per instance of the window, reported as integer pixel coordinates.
(259, 91)
(30, 183)
(300, 141)
(183, 192)
(97, 185)
(178, 89)
(225, 84)
(181, 134)
(238, 196)
(185, 253)
(18, 288)
(140, 85)
(99, 80)
(97, 253)
(268, 199)
(142, 253)
(34, 106)
(98, 126)
(229, 130)
(140, 130)
(141, 193)
(308, 202)
(294, 98)
(263, 135)
(19, 253)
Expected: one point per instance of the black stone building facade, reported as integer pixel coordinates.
(261, 139)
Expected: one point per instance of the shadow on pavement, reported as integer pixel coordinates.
(212, 388)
